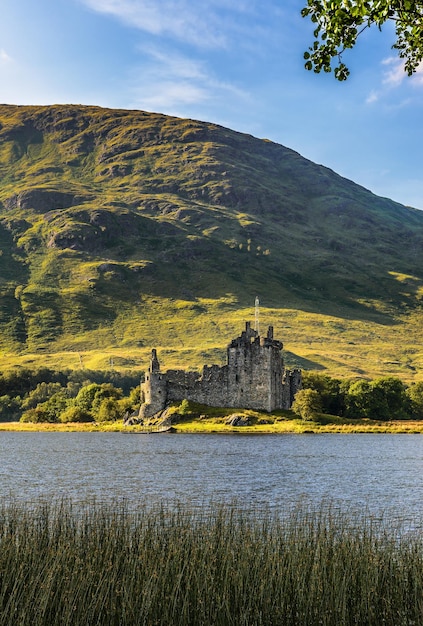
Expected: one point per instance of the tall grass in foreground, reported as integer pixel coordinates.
(213, 566)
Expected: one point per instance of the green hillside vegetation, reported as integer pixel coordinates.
(123, 230)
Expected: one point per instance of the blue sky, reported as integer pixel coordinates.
(233, 62)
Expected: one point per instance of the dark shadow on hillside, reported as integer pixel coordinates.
(165, 261)
(294, 360)
(216, 270)
(14, 275)
(12, 264)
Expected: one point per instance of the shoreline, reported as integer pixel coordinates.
(213, 426)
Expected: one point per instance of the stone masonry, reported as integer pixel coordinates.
(253, 378)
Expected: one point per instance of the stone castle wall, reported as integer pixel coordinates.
(253, 378)
(210, 387)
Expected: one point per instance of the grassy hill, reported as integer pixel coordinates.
(123, 230)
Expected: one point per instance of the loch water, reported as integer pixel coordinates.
(378, 473)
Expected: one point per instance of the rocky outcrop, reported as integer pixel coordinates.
(42, 200)
(238, 420)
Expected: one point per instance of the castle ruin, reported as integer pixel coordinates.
(254, 377)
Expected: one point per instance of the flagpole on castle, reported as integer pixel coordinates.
(257, 312)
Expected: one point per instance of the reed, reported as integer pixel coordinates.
(214, 565)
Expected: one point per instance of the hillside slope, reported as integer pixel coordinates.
(120, 230)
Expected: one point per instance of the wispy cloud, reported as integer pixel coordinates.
(395, 73)
(203, 23)
(168, 63)
(170, 96)
(175, 81)
(393, 77)
(372, 97)
(4, 57)
(418, 76)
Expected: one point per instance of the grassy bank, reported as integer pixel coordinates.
(219, 565)
(219, 425)
(299, 427)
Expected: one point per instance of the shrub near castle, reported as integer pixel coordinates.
(307, 404)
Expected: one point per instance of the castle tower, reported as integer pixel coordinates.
(153, 389)
(255, 370)
(275, 370)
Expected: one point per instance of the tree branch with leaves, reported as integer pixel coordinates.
(338, 24)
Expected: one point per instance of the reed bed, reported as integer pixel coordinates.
(216, 565)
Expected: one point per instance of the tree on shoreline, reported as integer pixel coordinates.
(382, 399)
(415, 395)
(307, 404)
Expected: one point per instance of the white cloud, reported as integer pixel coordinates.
(396, 74)
(418, 76)
(171, 95)
(169, 63)
(372, 97)
(168, 82)
(197, 23)
(4, 57)
(204, 23)
(393, 77)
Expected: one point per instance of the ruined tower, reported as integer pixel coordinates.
(153, 390)
(255, 370)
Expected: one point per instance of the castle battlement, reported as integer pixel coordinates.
(254, 377)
